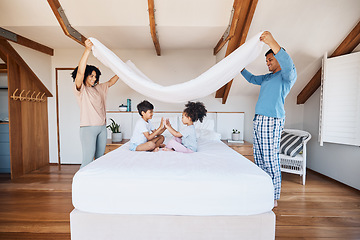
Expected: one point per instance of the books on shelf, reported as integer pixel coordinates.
(235, 141)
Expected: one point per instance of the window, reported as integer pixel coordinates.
(340, 100)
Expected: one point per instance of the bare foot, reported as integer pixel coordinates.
(156, 149)
(275, 203)
(167, 149)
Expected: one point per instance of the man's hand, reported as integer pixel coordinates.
(267, 38)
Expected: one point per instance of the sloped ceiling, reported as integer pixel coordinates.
(306, 28)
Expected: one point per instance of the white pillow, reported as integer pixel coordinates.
(208, 134)
(208, 124)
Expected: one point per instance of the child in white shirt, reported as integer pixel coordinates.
(185, 140)
(145, 137)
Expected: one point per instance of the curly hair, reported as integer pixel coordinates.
(195, 110)
(88, 71)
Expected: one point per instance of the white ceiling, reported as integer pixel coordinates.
(121, 23)
(306, 28)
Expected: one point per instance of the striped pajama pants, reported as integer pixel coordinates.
(267, 135)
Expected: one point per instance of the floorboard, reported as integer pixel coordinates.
(38, 205)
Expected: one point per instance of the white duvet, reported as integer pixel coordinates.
(209, 81)
(216, 180)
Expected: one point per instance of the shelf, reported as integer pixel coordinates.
(3, 87)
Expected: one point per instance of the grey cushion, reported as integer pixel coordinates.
(290, 144)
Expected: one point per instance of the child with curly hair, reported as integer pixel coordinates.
(185, 140)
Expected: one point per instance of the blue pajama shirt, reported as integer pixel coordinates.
(270, 115)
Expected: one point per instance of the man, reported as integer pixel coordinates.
(269, 111)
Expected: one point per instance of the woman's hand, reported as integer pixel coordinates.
(88, 44)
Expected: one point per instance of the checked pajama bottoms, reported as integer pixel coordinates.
(267, 135)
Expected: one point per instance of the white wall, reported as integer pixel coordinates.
(340, 162)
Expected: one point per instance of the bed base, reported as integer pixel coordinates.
(92, 226)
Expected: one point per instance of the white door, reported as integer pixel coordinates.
(69, 120)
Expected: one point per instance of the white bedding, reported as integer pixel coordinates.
(216, 180)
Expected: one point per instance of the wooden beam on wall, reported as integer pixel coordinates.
(11, 53)
(347, 46)
(153, 27)
(230, 31)
(242, 28)
(16, 38)
(64, 23)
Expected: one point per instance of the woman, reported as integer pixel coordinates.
(91, 96)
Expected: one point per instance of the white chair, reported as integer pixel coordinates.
(297, 164)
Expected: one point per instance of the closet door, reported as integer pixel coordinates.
(69, 120)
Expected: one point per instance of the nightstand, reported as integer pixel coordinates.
(114, 145)
(245, 149)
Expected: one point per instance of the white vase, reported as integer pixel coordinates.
(235, 136)
(116, 137)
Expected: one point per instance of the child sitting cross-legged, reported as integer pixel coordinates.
(185, 140)
(145, 137)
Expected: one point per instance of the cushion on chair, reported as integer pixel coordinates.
(290, 144)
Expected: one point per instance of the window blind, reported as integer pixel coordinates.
(340, 100)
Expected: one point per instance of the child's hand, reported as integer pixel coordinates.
(162, 123)
(167, 123)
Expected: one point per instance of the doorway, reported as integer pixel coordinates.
(68, 119)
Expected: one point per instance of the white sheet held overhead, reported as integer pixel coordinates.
(205, 84)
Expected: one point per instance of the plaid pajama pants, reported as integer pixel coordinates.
(267, 135)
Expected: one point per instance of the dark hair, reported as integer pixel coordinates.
(88, 71)
(195, 111)
(144, 106)
(271, 51)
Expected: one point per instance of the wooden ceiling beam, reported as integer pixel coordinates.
(153, 27)
(351, 41)
(16, 38)
(11, 53)
(242, 28)
(64, 22)
(230, 31)
(3, 68)
(3, 56)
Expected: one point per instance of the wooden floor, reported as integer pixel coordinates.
(37, 206)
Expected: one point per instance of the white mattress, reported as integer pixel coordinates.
(216, 180)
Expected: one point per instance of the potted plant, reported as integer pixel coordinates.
(116, 135)
(235, 135)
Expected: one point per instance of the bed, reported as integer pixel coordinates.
(213, 181)
(215, 188)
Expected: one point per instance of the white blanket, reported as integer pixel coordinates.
(209, 81)
(216, 180)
